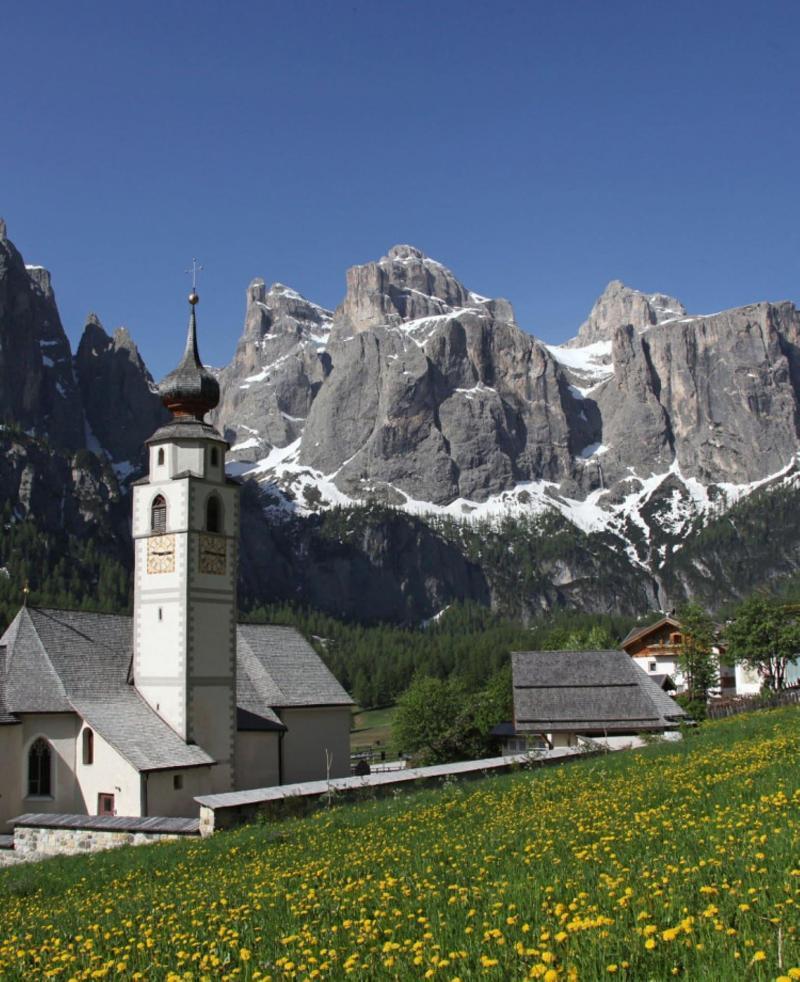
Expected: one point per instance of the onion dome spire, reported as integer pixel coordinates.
(190, 391)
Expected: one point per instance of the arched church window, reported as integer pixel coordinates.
(161, 455)
(158, 514)
(40, 765)
(88, 746)
(213, 514)
(214, 457)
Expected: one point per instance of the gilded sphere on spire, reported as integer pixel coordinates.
(193, 298)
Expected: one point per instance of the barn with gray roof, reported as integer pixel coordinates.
(560, 696)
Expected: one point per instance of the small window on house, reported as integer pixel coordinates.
(675, 638)
(88, 746)
(161, 455)
(40, 763)
(177, 782)
(158, 514)
(214, 457)
(652, 665)
(213, 514)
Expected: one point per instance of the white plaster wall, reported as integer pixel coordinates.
(10, 790)
(176, 494)
(61, 731)
(191, 455)
(164, 800)
(159, 626)
(256, 759)
(562, 739)
(309, 733)
(747, 681)
(213, 636)
(109, 774)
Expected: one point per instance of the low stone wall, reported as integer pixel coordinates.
(222, 811)
(66, 842)
(60, 835)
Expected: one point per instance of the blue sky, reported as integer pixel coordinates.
(538, 149)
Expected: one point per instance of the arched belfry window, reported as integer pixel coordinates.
(161, 455)
(213, 514)
(214, 457)
(158, 514)
(40, 764)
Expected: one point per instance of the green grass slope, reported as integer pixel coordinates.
(679, 860)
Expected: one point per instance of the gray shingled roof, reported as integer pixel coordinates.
(278, 668)
(75, 661)
(594, 691)
(6, 716)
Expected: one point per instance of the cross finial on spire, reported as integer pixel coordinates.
(25, 591)
(196, 267)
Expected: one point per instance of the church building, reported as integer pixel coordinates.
(110, 714)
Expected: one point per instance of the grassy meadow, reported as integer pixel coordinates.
(674, 861)
(372, 728)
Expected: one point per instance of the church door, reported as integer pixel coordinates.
(105, 804)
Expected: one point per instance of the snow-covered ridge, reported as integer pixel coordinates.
(587, 366)
(680, 506)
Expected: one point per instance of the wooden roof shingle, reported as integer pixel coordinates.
(579, 691)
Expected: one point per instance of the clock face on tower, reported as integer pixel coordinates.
(161, 554)
(213, 554)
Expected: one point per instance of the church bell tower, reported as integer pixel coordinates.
(186, 532)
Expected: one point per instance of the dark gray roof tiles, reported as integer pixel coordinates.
(76, 661)
(278, 668)
(6, 716)
(567, 668)
(190, 429)
(578, 691)
(32, 685)
(138, 733)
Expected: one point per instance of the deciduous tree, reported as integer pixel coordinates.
(765, 637)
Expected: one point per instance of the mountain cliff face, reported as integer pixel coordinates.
(416, 446)
(429, 397)
(110, 372)
(276, 372)
(37, 384)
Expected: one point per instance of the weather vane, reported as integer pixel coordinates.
(196, 267)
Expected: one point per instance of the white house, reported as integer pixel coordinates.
(657, 648)
(107, 714)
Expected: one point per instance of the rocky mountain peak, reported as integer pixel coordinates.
(112, 366)
(256, 291)
(37, 387)
(403, 285)
(41, 277)
(405, 252)
(619, 305)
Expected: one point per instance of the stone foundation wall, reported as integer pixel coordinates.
(67, 842)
